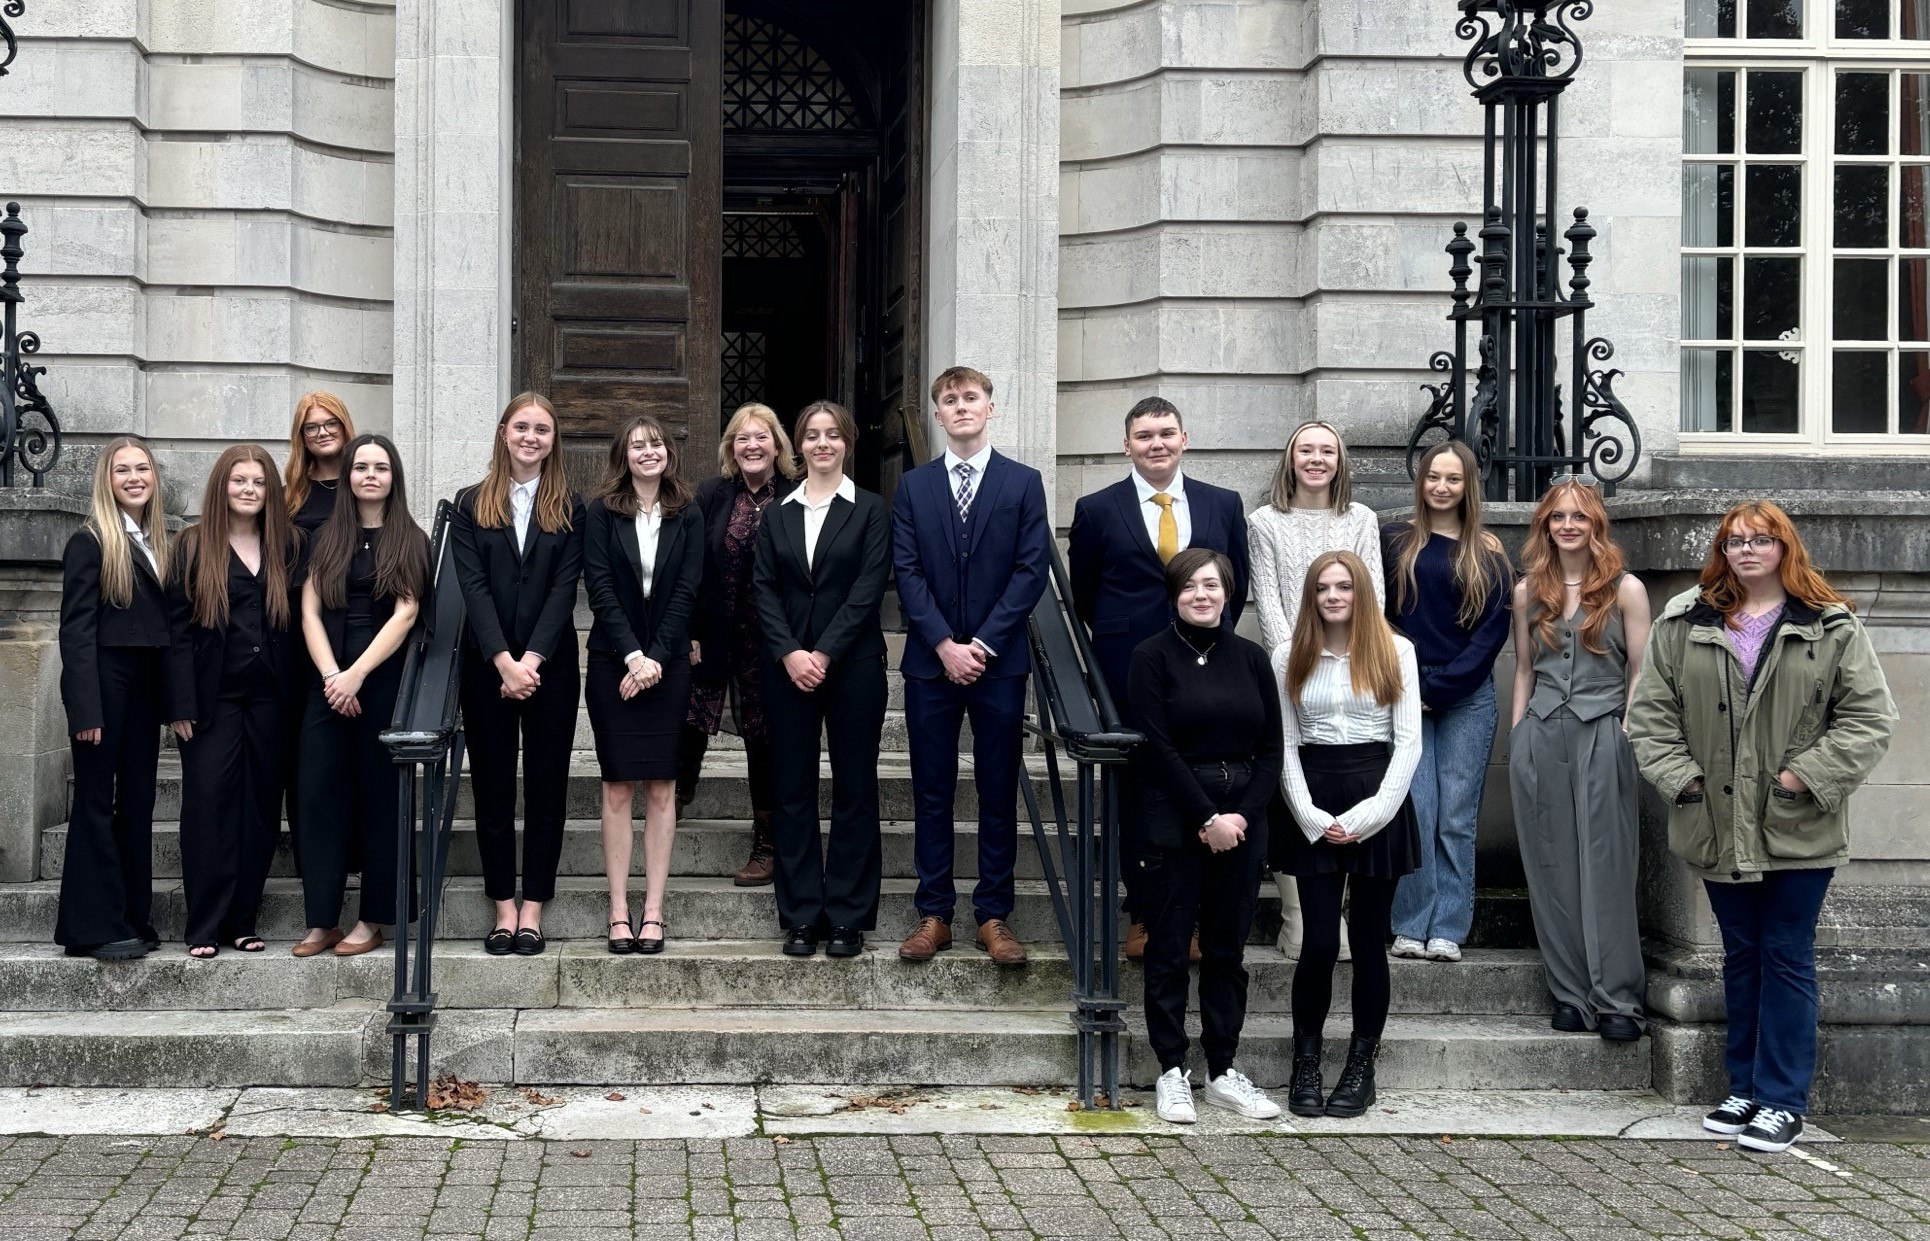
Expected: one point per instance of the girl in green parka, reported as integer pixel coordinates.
(1760, 708)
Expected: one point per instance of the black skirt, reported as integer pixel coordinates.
(1343, 776)
(638, 739)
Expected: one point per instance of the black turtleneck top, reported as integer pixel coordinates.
(1225, 710)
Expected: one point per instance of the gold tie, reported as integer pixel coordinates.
(1168, 545)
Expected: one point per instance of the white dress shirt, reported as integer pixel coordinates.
(138, 537)
(1149, 511)
(977, 461)
(522, 501)
(1330, 713)
(814, 514)
(649, 524)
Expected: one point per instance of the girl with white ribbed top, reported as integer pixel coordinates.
(1309, 511)
(1351, 725)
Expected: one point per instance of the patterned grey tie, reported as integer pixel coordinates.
(964, 470)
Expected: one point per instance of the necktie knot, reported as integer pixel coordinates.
(964, 470)
(1162, 499)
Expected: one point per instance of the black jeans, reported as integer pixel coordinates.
(1367, 928)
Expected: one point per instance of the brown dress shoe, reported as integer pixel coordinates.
(1136, 941)
(763, 860)
(933, 936)
(996, 940)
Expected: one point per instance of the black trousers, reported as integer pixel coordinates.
(348, 786)
(231, 789)
(1370, 918)
(757, 756)
(547, 722)
(107, 879)
(820, 885)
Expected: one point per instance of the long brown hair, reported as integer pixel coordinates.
(301, 462)
(1800, 578)
(204, 547)
(104, 521)
(1480, 562)
(401, 549)
(1340, 492)
(1541, 566)
(619, 496)
(552, 508)
(1373, 662)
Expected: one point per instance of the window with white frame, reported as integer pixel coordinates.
(1805, 242)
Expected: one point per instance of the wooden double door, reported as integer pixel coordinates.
(718, 201)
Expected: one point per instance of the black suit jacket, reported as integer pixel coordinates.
(708, 624)
(613, 573)
(518, 599)
(87, 622)
(830, 604)
(209, 645)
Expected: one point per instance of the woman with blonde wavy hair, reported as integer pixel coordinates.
(124, 670)
(1580, 624)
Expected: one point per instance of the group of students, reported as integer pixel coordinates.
(1347, 754)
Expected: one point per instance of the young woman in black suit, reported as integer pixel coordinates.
(366, 576)
(822, 555)
(643, 559)
(519, 555)
(232, 575)
(123, 670)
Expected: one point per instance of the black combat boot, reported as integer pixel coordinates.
(1355, 1093)
(1308, 1097)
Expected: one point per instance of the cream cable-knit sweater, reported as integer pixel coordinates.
(1284, 545)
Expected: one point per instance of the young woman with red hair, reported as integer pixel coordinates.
(1580, 624)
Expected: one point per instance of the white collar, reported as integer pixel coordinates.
(977, 461)
(847, 491)
(1146, 491)
(130, 525)
(526, 490)
(1327, 654)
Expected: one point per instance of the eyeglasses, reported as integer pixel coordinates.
(1756, 543)
(316, 430)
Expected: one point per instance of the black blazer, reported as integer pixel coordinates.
(87, 623)
(209, 645)
(708, 624)
(518, 599)
(831, 605)
(613, 573)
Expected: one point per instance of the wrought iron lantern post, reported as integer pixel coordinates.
(23, 446)
(1522, 56)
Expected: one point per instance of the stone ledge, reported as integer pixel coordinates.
(36, 522)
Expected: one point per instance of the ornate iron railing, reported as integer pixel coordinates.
(24, 446)
(1522, 56)
(12, 8)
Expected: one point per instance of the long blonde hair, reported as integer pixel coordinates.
(1340, 493)
(295, 480)
(1373, 662)
(785, 451)
(1541, 566)
(552, 508)
(104, 522)
(1480, 562)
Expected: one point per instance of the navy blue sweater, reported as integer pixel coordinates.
(1454, 660)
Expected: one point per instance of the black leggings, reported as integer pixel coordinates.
(1368, 920)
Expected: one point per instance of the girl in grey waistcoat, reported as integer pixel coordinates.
(1580, 626)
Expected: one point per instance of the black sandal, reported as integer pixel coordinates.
(650, 946)
(530, 942)
(204, 952)
(250, 943)
(627, 944)
(499, 942)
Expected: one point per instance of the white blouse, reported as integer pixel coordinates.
(649, 524)
(1330, 713)
(1283, 547)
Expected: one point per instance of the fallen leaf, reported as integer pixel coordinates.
(1073, 1105)
(450, 1093)
(1101, 1100)
(644, 1110)
(579, 1154)
(709, 1108)
(989, 1107)
(1447, 1137)
(538, 1098)
(378, 1107)
(614, 1097)
(780, 1140)
(1026, 1090)
(1722, 1146)
(219, 1135)
(1134, 1103)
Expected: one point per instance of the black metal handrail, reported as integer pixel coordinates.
(425, 733)
(1075, 713)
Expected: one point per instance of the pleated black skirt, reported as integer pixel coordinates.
(1339, 776)
(638, 739)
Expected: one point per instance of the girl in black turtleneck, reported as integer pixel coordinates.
(1204, 698)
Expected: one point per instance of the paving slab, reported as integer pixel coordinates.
(67, 1110)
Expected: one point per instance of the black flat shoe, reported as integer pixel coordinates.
(1619, 1029)
(800, 941)
(1568, 1019)
(622, 945)
(652, 946)
(844, 942)
(530, 942)
(500, 942)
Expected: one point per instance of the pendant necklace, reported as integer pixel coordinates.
(1201, 660)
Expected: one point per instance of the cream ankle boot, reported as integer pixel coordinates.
(1290, 925)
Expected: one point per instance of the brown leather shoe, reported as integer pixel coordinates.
(1136, 941)
(933, 936)
(316, 947)
(349, 949)
(997, 941)
(763, 860)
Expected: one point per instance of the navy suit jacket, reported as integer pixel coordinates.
(1118, 582)
(990, 586)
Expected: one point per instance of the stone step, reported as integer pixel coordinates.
(704, 974)
(892, 740)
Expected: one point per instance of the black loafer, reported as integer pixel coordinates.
(1619, 1029)
(844, 942)
(800, 941)
(500, 942)
(1568, 1019)
(530, 942)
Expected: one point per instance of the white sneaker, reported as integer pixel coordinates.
(1176, 1097)
(1409, 947)
(1232, 1091)
(1443, 950)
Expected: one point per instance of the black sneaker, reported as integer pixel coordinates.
(844, 942)
(801, 941)
(1732, 1117)
(1772, 1130)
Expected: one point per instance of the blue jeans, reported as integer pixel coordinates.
(1437, 901)
(1769, 983)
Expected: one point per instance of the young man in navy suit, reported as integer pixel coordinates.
(971, 546)
(1122, 536)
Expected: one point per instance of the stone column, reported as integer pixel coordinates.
(992, 253)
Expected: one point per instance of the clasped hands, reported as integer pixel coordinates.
(807, 669)
(520, 678)
(1224, 831)
(339, 689)
(964, 661)
(644, 672)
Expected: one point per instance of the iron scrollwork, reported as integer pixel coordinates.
(1521, 38)
(12, 8)
(1443, 410)
(1610, 438)
(23, 444)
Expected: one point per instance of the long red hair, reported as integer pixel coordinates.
(1541, 566)
(1800, 578)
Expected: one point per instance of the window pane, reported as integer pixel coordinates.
(1860, 393)
(1862, 19)
(1913, 393)
(1709, 205)
(1863, 206)
(1862, 310)
(1771, 291)
(1913, 299)
(1771, 385)
(1916, 19)
(1711, 19)
(1709, 111)
(1708, 390)
(1913, 199)
(1708, 298)
(1774, 214)
(1775, 19)
(1775, 125)
(1913, 113)
(1862, 114)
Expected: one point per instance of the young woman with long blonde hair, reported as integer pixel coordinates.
(1580, 624)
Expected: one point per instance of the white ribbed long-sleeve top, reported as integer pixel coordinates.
(1331, 713)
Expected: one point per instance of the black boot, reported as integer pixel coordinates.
(1355, 1093)
(1307, 1097)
